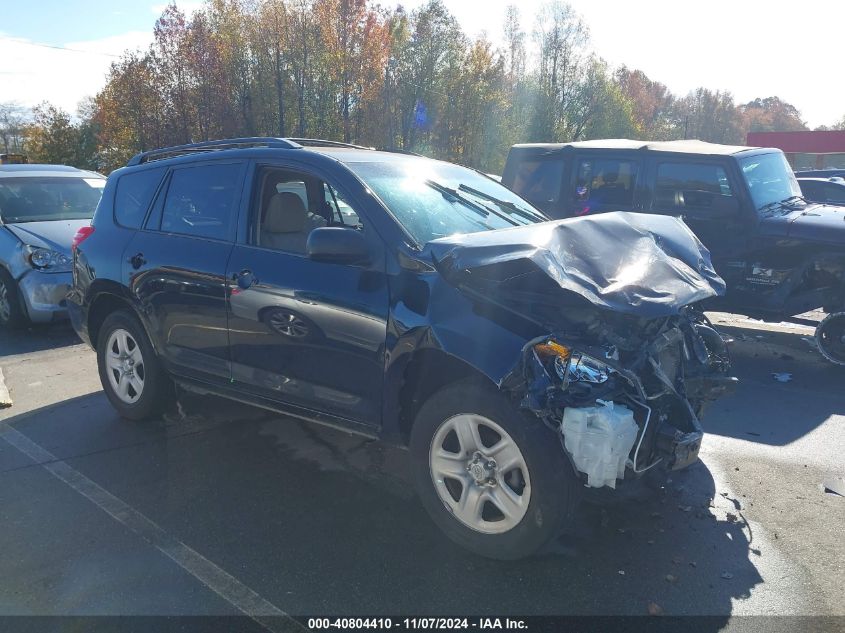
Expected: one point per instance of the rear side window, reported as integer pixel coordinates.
(683, 186)
(201, 201)
(605, 184)
(538, 179)
(135, 191)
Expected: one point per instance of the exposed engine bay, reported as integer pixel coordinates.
(659, 382)
(629, 362)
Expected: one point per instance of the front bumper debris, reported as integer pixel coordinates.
(45, 295)
(666, 381)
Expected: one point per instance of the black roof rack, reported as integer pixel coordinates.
(318, 142)
(210, 146)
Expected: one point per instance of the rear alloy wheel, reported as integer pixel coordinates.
(125, 366)
(494, 480)
(130, 372)
(830, 337)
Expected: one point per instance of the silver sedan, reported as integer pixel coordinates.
(41, 209)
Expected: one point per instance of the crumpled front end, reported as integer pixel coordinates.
(630, 399)
(627, 362)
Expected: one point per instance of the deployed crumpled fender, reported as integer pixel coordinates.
(644, 265)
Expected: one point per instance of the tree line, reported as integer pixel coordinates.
(353, 71)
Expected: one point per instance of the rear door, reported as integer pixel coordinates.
(175, 267)
(603, 182)
(305, 333)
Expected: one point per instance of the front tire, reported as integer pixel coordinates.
(131, 374)
(830, 337)
(12, 316)
(493, 479)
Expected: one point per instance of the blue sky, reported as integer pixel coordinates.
(60, 21)
(752, 48)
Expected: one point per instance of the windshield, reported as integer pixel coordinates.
(39, 199)
(770, 179)
(433, 199)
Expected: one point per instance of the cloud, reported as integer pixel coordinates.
(32, 72)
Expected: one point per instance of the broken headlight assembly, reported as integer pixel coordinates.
(47, 259)
(571, 366)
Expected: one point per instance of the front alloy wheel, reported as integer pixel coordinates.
(494, 480)
(480, 473)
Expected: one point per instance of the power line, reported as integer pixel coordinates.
(58, 48)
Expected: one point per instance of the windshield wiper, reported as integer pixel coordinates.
(505, 204)
(786, 202)
(455, 195)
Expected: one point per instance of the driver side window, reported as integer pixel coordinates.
(292, 204)
(689, 186)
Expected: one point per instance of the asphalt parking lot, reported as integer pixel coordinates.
(216, 504)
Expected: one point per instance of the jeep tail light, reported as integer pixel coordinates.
(81, 235)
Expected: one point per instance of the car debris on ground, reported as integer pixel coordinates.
(5, 397)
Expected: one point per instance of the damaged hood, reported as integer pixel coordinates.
(640, 264)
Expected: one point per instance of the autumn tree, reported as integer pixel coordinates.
(52, 137)
(651, 104)
(771, 115)
(711, 116)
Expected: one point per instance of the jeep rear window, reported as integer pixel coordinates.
(538, 179)
(604, 184)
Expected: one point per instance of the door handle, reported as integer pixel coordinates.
(244, 279)
(137, 260)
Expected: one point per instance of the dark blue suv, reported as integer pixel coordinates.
(521, 360)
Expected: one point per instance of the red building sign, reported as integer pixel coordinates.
(805, 150)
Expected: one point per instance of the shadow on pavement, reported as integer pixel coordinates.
(323, 522)
(37, 338)
(767, 411)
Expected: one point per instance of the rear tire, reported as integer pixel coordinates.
(504, 494)
(12, 316)
(131, 374)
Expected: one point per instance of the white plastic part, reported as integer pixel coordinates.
(599, 440)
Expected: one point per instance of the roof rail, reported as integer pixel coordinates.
(210, 146)
(318, 142)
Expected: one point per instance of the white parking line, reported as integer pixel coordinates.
(218, 580)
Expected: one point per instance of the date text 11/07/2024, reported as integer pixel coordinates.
(417, 623)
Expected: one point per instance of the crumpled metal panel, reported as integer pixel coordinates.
(640, 264)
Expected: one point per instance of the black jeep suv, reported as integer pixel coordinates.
(411, 300)
(779, 254)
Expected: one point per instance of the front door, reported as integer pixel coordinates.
(176, 267)
(305, 333)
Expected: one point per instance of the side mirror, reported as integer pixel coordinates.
(337, 245)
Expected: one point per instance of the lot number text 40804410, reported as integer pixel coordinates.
(434, 624)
